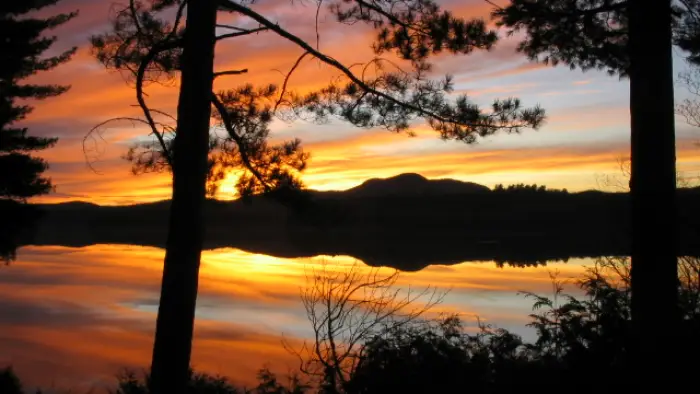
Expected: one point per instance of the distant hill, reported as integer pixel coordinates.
(413, 185)
(406, 221)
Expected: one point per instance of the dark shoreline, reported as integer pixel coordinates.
(406, 232)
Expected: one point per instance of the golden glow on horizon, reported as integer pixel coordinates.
(340, 167)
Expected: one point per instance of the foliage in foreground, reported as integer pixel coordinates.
(202, 383)
(581, 346)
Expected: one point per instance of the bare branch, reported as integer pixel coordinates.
(241, 32)
(390, 17)
(178, 19)
(159, 112)
(689, 108)
(496, 6)
(286, 79)
(90, 140)
(236, 28)
(347, 308)
(318, 12)
(135, 16)
(230, 72)
(142, 102)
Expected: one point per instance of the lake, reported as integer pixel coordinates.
(74, 317)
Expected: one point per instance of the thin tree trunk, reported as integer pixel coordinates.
(175, 323)
(655, 316)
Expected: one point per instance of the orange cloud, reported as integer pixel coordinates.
(351, 158)
(342, 157)
(521, 68)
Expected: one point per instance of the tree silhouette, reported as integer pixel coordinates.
(527, 189)
(346, 307)
(23, 41)
(156, 40)
(129, 382)
(630, 39)
(9, 382)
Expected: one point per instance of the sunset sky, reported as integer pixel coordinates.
(586, 132)
(73, 316)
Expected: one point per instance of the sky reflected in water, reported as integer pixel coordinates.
(74, 317)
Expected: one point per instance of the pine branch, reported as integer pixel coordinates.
(242, 146)
(240, 33)
(226, 4)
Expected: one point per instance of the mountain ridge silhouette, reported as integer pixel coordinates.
(405, 184)
(372, 222)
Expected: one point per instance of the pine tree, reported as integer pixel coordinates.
(631, 39)
(149, 44)
(22, 42)
(686, 28)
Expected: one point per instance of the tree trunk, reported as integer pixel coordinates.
(175, 323)
(655, 316)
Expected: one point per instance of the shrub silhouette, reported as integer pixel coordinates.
(9, 382)
(582, 344)
(129, 382)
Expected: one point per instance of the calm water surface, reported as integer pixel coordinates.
(74, 317)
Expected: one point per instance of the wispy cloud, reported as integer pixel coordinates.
(342, 156)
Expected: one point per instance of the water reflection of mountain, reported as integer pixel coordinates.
(406, 222)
